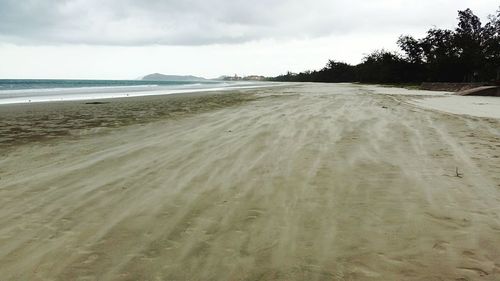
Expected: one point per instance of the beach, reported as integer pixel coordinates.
(297, 182)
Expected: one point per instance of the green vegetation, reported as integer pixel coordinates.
(470, 53)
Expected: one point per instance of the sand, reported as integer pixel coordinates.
(470, 105)
(449, 102)
(34, 122)
(304, 182)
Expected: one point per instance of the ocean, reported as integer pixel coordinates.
(46, 90)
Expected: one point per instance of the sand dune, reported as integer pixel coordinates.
(306, 182)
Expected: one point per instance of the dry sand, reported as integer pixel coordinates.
(471, 105)
(306, 182)
(450, 102)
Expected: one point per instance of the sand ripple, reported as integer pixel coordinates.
(312, 182)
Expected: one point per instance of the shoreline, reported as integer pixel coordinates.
(34, 122)
(96, 93)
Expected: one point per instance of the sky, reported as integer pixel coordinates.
(126, 39)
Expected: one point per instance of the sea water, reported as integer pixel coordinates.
(32, 90)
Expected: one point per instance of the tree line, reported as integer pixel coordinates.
(469, 53)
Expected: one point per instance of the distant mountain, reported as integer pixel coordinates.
(163, 77)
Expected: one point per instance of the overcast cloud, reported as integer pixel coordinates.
(202, 22)
(124, 39)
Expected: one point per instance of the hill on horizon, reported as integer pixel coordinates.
(163, 77)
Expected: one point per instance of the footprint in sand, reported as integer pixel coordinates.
(90, 259)
(440, 246)
(479, 271)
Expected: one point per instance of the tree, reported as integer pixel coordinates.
(382, 66)
(335, 71)
(469, 41)
(441, 56)
(491, 47)
(412, 48)
(470, 52)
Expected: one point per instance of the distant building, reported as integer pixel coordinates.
(255, 78)
(246, 78)
(231, 78)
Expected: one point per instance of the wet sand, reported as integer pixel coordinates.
(38, 122)
(305, 182)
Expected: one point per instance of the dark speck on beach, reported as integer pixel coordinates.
(96, 102)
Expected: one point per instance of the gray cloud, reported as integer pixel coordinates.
(202, 22)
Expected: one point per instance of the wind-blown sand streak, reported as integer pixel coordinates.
(308, 182)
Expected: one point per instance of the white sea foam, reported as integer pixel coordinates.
(95, 93)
